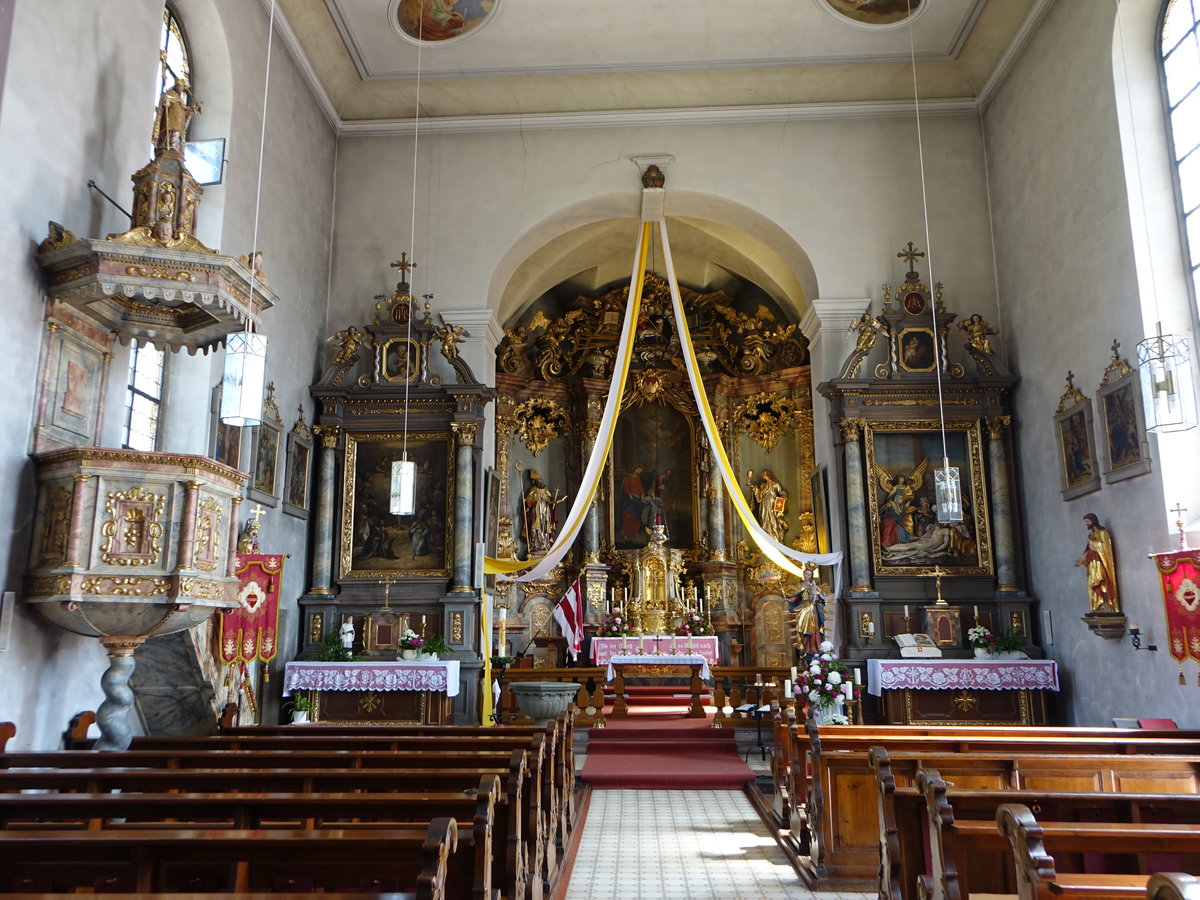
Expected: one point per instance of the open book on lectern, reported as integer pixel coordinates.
(918, 645)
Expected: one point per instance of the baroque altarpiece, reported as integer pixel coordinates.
(906, 400)
(381, 400)
(554, 368)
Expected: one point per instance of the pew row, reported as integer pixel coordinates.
(1173, 886)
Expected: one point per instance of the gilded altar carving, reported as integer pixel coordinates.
(57, 529)
(456, 627)
(204, 590)
(132, 530)
(773, 622)
(767, 418)
(997, 425)
(808, 533)
(866, 625)
(316, 627)
(208, 535)
(120, 586)
(851, 428)
(537, 422)
(978, 331)
(1118, 367)
(464, 433)
(328, 435)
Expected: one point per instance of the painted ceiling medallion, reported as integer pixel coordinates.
(439, 21)
(874, 12)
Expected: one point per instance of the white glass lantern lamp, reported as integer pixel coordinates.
(244, 379)
(1168, 388)
(403, 494)
(947, 494)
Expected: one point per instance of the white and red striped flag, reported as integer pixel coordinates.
(569, 616)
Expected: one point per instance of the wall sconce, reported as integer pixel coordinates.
(1135, 638)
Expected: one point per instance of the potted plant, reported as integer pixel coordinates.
(434, 647)
(333, 651)
(300, 707)
(411, 644)
(1009, 645)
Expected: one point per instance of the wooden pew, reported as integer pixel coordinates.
(958, 815)
(100, 812)
(1173, 886)
(1035, 870)
(433, 861)
(842, 812)
(7, 732)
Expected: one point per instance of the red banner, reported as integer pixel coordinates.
(1180, 573)
(250, 631)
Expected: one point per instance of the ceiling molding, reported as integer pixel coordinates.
(721, 115)
(1013, 52)
(307, 72)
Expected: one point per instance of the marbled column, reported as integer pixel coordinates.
(322, 565)
(591, 525)
(464, 504)
(187, 525)
(113, 714)
(75, 536)
(856, 508)
(1002, 517)
(231, 551)
(716, 512)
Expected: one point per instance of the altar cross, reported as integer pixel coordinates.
(404, 265)
(1179, 510)
(910, 255)
(937, 574)
(257, 513)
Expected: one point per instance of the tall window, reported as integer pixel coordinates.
(175, 50)
(143, 397)
(1181, 72)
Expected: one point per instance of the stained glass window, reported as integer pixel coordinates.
(1181, 73)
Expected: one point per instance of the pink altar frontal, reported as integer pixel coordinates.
(377, 693)
(961, 674)
(657, 646)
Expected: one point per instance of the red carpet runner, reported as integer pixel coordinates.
(656, 748)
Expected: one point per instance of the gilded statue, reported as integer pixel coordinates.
(809, 606)
(255, 266)
(173, 115)
(1097, 558)
(450, 336)
(248, 539)
(350, 339)
(541, 514)
(868, 332)
(977, 333)
(770, 500)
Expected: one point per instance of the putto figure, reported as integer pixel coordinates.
(1097, 557)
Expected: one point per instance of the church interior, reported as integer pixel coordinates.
(843, 330)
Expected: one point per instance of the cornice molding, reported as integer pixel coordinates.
(307, 72)
(1012, 53)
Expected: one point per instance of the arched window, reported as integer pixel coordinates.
(1181, 75)
(174, 49)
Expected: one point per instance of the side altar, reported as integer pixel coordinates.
(377, 693)
(963, 692)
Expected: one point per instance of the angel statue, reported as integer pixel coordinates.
(896, 516)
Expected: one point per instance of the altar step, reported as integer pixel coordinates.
(656, 695)
(663, 751)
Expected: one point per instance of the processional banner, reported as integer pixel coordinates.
(1180, 574)
(250, 631)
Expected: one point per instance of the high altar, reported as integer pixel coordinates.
(656, 601)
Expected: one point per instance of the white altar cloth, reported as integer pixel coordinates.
(372, 676)
(961, 674)
(605, 648)
(658, 659)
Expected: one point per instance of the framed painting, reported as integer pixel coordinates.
(906, 537)
(915, 350)
(299, 457)
(653, 471)
(816, 482)
(399, 359)
(264, 478)
(376, 545)
(1077, 461)
(225, 441)
(1123, 421)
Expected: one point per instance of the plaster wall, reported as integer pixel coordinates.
(89, 117)
(1068, 288)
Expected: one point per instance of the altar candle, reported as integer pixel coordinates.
(857, 676)
(641, 643)
(787, 690)
(871, 629)
(673, 637)
(795, 673)
(848, 690)
(906, 610)
(975, 612)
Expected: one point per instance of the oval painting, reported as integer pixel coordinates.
(434, 21)
(874, 12)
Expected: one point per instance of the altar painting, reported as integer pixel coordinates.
(376, 544)
(653, 476)
(906, 537)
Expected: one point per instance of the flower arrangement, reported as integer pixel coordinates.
(825, 680)
(615, 624)
(693, 624)
(410, 640)
(982, 637)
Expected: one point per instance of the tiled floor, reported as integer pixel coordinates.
(681, 845)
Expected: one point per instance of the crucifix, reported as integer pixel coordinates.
(937, 575)
(1179, 510)
(404, 265)
(257, 513)
(387, 584)
(1070, 381)
(910, 255)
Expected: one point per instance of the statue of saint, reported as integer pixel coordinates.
(541, 514)
(248, 539)
(809, 607)
(1101, 569)
(172, 117)
(770, 500)
(347, 634)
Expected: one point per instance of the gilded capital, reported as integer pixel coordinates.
(328, 435)
(851, 427)
(464, 433)
(996, 426)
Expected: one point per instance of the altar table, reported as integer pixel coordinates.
(377, 693)
(963, 691)
(604, 648)
(695, 663)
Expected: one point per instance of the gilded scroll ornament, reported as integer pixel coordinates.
(118, 586)
(132, 530)
(1118, 367)
(208, 534)
(456, 627)
(851, 428)
(772, 617)
(537, 422)
(464, 433)
(316, 624)
(767, 418)
(1071, 397)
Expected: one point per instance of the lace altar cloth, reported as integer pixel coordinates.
(441, 676)
(605, 648)
(961, 674)
(658, 659)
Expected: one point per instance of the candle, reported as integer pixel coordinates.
(503, 614)
(975, 611)
(795, 673)
(787, 690)
(848, 690)
(673, 644)
(858, 676)
(641, 643)
(906, 610)
(871, 629)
